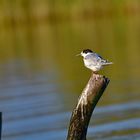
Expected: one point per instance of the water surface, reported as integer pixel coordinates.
(41, 79)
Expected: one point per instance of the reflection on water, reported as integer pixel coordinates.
(41, 79)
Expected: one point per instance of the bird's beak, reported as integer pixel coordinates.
(78, 54)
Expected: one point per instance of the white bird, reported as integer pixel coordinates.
(93, 61)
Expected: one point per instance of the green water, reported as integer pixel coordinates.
(41, 77)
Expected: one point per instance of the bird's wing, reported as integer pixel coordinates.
(93, 59)
(100, 59)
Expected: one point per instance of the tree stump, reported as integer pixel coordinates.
(87, 101)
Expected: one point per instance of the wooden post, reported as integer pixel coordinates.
(87, 101)
(0, 124)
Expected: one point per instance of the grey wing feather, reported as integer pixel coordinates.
(103, 61)
(96, 59)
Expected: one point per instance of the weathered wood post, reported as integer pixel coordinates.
(87, 101)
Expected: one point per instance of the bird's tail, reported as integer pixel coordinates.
(107, 63)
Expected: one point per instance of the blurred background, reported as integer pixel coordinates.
(41, 78)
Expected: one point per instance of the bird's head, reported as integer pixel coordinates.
(86, 52)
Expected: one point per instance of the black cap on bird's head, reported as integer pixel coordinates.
(87, 51)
